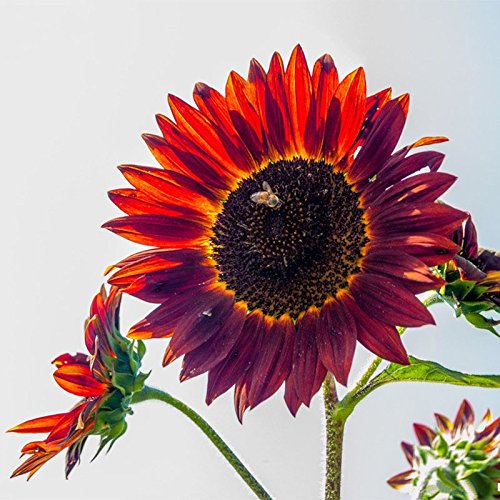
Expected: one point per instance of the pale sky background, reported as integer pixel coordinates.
(80, 81)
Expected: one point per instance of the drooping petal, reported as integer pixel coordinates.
(307, 366)
(274, 363)
(407, 270)
(241, 357)
(388, 301)
(336, 337)
(378, 337)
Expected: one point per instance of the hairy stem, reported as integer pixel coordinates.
(334, 440)
(148, 393)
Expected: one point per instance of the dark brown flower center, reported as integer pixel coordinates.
(289, 236)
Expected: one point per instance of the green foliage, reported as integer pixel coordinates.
(469, 299)
(428, 371)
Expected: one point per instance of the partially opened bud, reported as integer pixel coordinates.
(105, 379)
(456, 461)
(472, 285)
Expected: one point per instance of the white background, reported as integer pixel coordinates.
(79, 82)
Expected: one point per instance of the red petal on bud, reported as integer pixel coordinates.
(400, 480)
(425, 435)
(409, 451)
(465, 416)
(444, 423)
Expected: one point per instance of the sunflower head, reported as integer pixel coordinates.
(454, 461)
(104, 379)
(285, 228)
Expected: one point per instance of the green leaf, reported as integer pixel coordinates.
(428, 371)
(479, 321)
(475, 307)
(459, 288)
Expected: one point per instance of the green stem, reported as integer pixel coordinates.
(148, 393)
(334, 440)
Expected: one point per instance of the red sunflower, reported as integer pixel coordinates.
(285, 229)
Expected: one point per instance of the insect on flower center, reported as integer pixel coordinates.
(289, 236)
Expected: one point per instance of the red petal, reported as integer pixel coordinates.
(381, 140)
(78, 359)
(279, 127)
(134, 202)
(388, 301)
(177, 154)
(336, 335)
(409, 451)
(158, 230)
(229, 371)
(409, 271)
(346, 115)
(274, 362)
(169, 189)
(425, 435)
(61, 430)
(444, 423)
(243, 112)
(161, 322)
(291, 398)
(78, 379)
(380, 338)
(38, 425)
(432, 249)
(307, 366)
(159, 286)
(325, 80)
(464, 418)
(212, 352)
(208, 138)
(411, 218)
(470, 246)
(202, 321)
(397, 168)
(299, 94)
(416, 189)
(401, 480)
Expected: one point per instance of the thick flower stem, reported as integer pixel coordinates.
(151, 393)
(334, 440)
